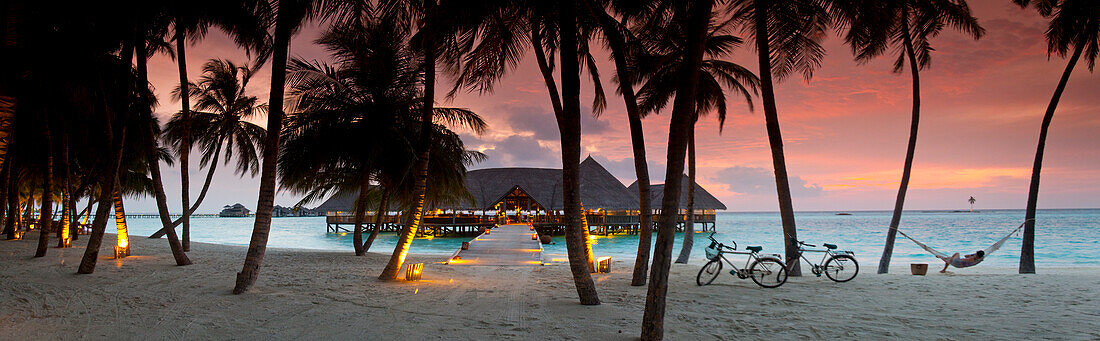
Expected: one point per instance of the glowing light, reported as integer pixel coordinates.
(603, 264)
(413, 271)
(66, 241)
(122, 248)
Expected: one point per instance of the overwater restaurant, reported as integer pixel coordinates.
(532, 195)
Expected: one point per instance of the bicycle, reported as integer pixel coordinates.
(766, 270)
(835, 264)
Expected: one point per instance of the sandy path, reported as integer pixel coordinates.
(334, 295)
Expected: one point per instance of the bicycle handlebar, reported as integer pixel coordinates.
(804, 244)
(711, 237)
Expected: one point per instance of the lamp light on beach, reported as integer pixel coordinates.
(603, 265)
(412, 272)
(19, 234)
(123, 248)
(534, 236)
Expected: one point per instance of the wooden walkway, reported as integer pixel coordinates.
(504, 245)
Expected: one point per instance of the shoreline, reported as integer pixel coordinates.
(335, 295)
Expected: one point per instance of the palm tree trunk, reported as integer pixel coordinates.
(201, 197)
(115, 114)
(383, 209)
(5, 195)
(257, 246)
(1027, 251)
(420, 184)
(65, 230)
(360, 214)
(67, 201)
(899, 204)
(689, 221)
(120, 221)
(154, 168)
(775, 137)
(637, 141)
(108, 180)
(569, 127)
(87, 211)
(45, 218)
(162, 208)
(683, 108)
(185, 142)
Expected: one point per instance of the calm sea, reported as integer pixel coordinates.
(1064, 238)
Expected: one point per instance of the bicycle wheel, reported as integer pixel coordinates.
(709, 272)
(841, 268)
(768, 272)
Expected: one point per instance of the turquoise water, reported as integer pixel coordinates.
(1064, 238)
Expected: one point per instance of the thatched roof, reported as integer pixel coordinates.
(703, 199)
(341, 201)
(599, 189)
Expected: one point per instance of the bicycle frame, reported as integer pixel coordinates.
(722, 250)
(826, 254)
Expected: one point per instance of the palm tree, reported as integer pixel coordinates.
(45, 219)
(907, 26)
(289, 17)
(1074, 25)
(624, 46)
(352, 121)
(787, 35)
(661, 69)
(696, 18)
(247, 21)
(435, 40)
(151, 134)
(219, 123)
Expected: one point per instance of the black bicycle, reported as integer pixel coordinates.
(766, 270)
(840, 266)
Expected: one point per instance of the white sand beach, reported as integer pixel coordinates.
(335, 295)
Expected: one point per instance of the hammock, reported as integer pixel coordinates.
(960, 262)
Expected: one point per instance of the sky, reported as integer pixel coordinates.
(844, 131)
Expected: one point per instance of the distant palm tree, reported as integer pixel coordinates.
(660, 69)
(1074, 25)
(219, 123)
(972, 201)
(907, 26)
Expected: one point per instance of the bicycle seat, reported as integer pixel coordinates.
(754, 248)
(830, 246)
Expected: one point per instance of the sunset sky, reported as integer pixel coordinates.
(844, 131)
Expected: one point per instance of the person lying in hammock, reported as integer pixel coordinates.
(963, 261)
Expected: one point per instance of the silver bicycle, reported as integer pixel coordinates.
(766, 270)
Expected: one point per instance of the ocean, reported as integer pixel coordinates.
(1064, 237)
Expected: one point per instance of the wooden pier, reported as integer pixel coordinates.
(505, 245)
(454, 225)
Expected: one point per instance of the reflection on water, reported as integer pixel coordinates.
(1063, 237)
